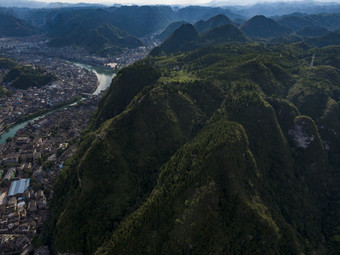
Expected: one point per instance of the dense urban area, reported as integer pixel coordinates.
(59, 111)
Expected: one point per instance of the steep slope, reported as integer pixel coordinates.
(128, 83)
(12, 26)
(180, 39)
(214, 22)
(200, 206)
(187, 38)
(134, 159)
(260, 26)
(103, 40)
(135, 20)
(170, 29)
(226, 149)
(142, 20)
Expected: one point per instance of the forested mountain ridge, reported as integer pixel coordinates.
(262, 27)
(12, 26)
(104, 39)
(226, 148)
(187, 38)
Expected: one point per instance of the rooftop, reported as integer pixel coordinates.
(19, 187)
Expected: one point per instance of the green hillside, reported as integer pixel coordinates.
(104, 40)
(170, 29)
(13, 27)
(261, 27)
(225, 149)
(23, 77)
(187, 38)
(214, 22)
(297, 21)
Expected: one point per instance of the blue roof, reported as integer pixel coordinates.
(19, 187)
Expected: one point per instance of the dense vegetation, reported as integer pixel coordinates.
(187, 38)
(6, 63)
(107, 30)
(221, 148)
(216, 21)
(170, 29)
(104, 40)
(262, 27)
(23, 77)
(12, 26)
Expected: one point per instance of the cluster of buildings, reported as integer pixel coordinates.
(72, 81)
(32, 159)
(29, 164)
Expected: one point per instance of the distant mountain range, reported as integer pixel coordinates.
(187, 38)
(297, 21)
(170, 29)
(262, 27)
(216, 21)
(106, 30)
(201, 26)
(105, 39)
(278, 8)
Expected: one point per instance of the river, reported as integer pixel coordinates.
(104, 76)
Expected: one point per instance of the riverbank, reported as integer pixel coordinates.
(24, 121)
(104, 78)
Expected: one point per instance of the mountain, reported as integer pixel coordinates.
(297, 21)
(104, 40)
(142, 20)
(187, 38)
(196, 13)
(170, 29)
(22, 4)
(226, 149)
(279, 8)
(12, 26)
(262, 27)
(180, 39)
(135, 20)
(216, 21)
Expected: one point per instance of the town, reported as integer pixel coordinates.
(31, 160)
(72, 81)
(30, 163)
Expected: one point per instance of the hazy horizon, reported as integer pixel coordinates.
(177, 2)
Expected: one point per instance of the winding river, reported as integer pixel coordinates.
(104, 77)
